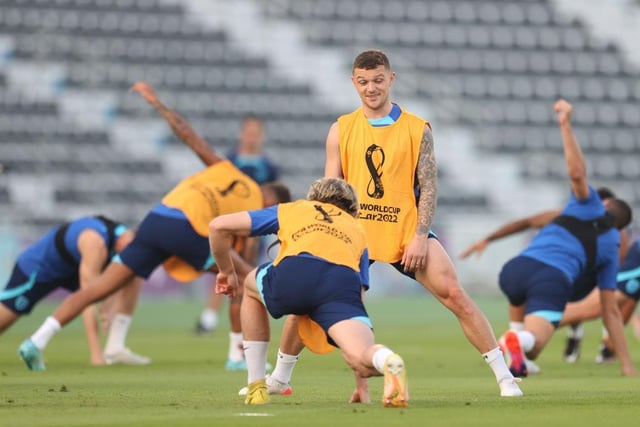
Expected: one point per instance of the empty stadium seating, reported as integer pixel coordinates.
(502, 64)
(493, 67)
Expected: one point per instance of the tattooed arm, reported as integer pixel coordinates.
(427, 174)
(181, 128)
(415, 255)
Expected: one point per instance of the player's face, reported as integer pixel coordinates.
(373, 87)
(251, 136)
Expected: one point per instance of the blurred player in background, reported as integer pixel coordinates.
(387, 154)
(69, 256)
(174, 233)
(589, 308)
(581, 307)
(320, 272)
(249, 157)
(541, 280)
(247, 248)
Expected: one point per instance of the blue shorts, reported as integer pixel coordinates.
(160, 237)
(583, 286)
(398, 266)
(544, 289)
(327, 292)
(629, 273)
(23, 292)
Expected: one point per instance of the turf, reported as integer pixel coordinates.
(186, 384)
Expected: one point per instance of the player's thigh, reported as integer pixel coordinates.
(353, 337)
(439, 276)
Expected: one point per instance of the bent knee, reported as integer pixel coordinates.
(458, 301)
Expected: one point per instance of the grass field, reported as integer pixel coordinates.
(186, 384)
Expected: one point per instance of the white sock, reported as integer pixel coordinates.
(255, 353)
(235, 347)
(45, 332)
(209, 318)
(576, 331)
(527, 340)
(284, 367)
(516, 326)
(379, 358)
(118, 333)
(605, 333)
(495, 360)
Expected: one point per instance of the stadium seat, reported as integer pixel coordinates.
(480, 64)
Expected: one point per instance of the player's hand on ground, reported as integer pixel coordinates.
(476, 248)
(360, 396)
(414, 257)
(563, 109)
(628, 370)
(145, 90)
(361, 393)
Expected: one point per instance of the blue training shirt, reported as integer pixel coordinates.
(43, 256)
(554, 245)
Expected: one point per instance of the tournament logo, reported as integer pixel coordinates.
(374, 187)
(22, 302)
(324, 215)
(237, 188)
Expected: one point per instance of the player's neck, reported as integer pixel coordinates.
(379, 112)
(249, 152)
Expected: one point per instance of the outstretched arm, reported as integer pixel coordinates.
(415, 254)
(93, 255)
(576, 167)
(613, 322)
(181, 128)
(538, 220)
(221, 232)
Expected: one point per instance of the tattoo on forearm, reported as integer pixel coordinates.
(427, 180)
(181, 128)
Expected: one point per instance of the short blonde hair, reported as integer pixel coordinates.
(337, 192)
(371, 59)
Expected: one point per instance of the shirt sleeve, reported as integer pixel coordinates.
(264, 221)
(608, 273)
(588, 208)
(364, 269)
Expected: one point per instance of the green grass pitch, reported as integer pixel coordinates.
(186, 385)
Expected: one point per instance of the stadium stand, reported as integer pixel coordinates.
(490, 67)
(502, 62)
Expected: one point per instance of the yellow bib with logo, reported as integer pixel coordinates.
(380, 162)
(322, 230)
(219, 189)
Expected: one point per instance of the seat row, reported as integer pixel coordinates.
(457, 11)
(186, 77)
(209, 107)
(134, 23)
(72, 47)
(593, 140)
(529, 86)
